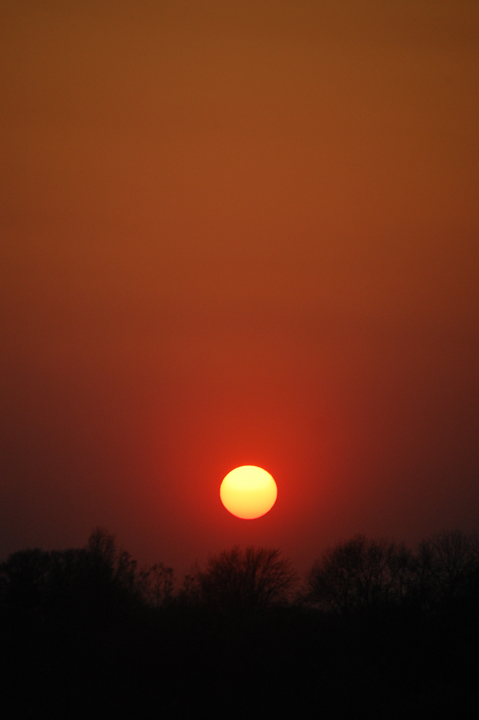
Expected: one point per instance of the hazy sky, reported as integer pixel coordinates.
(238, 232)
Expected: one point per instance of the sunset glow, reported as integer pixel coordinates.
(238, 233)
(248, 492)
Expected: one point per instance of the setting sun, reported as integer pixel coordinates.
(248, 492)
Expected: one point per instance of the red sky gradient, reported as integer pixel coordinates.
(238, 233)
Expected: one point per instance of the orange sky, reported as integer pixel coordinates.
(238, 233)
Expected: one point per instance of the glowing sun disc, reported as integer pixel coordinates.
(248, 492)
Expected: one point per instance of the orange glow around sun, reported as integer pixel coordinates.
(248, 492)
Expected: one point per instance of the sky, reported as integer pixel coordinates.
(238, 233)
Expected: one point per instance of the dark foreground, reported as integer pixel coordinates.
(78, 645)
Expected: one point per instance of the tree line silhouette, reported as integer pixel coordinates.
(373, 627)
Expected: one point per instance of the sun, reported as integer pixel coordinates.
(248, 492)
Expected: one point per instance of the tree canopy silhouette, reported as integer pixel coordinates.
(245, 581)
(92, 583)
(360, 574)
(446, 571)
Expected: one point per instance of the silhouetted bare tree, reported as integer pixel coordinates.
(92, 583)
(446, 569)
(157, 584)
(360, 574)
(246, 580)
(102, 546)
